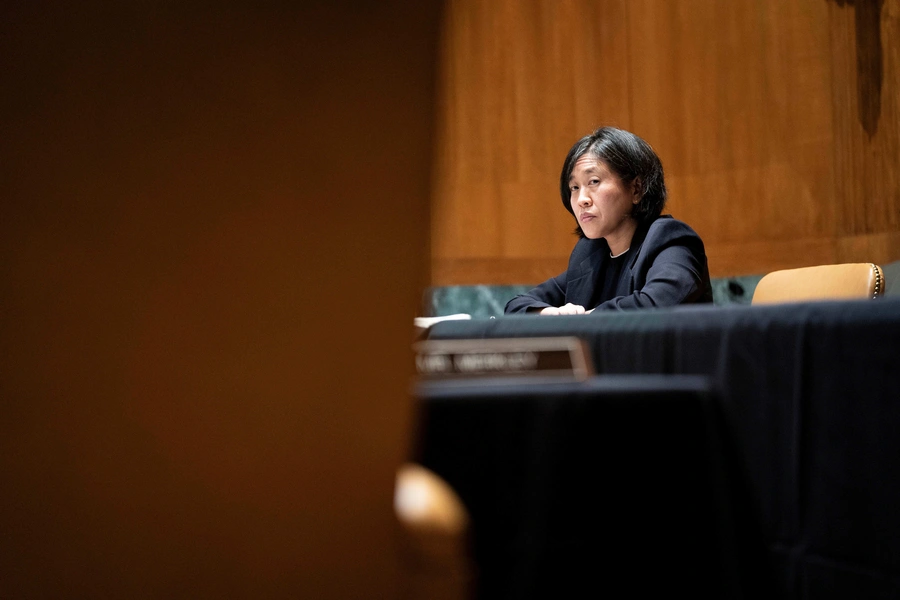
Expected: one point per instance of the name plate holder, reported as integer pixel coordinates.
(565, 357)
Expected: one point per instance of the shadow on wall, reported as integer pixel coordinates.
(869, 60)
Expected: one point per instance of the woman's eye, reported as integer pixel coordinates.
(573, 188)
(595, 181)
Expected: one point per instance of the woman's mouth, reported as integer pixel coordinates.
(584, 217)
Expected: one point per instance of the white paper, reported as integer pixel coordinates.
(426, 322)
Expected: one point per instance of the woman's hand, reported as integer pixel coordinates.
(568, 309)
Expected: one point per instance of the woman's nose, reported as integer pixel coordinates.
(583, 198)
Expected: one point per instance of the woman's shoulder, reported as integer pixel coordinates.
(667, 227)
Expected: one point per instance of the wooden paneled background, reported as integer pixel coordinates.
(777, 121)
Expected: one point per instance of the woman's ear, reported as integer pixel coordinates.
(636, 187)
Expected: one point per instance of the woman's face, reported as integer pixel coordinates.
(602, 203)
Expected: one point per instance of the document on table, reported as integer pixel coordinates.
(426, 322)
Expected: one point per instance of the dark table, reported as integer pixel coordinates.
(806, 412)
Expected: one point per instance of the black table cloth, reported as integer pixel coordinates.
(809, 398)
(619, 484)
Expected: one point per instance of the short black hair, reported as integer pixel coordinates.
(631, 159)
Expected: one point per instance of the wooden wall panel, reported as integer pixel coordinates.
(761, 111)
(865, 45)
(866, 99)
(736, 104)
(521, 81)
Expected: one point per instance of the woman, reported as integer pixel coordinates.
(628, 255)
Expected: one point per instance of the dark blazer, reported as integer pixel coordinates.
(667, 266)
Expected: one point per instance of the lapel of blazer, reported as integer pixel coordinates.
(582, 281)
(626, 283)
(637, 241)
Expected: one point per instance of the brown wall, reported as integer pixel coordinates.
(212, 236)
(778, 123)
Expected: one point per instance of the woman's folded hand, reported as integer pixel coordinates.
(568, 309)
